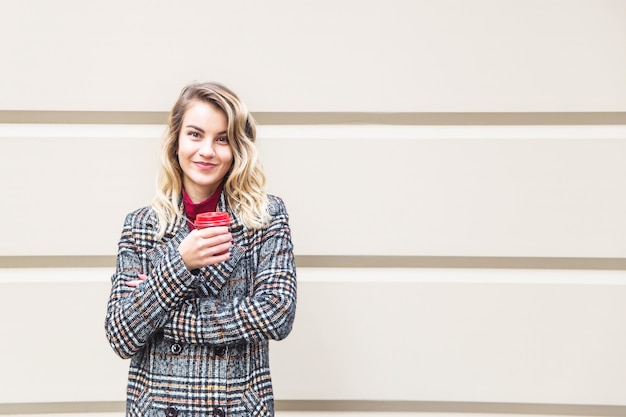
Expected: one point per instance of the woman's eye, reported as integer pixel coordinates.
(222, 139)
(194, 134)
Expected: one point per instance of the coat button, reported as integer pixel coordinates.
(220, 351)
(218, 412)
(176, 348)
(171, 412)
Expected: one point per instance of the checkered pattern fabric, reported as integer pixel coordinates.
(198, 342)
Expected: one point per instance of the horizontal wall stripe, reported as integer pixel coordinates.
(312, 261)
(331, 118)
(451, 407)
(57, 261)
(347, 406)
(62, 407)
(553, 118)
(83, 117)
(328, 261)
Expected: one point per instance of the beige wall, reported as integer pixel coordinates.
(323, 55)
(473, 264)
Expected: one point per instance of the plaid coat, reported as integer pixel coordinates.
(199, 341)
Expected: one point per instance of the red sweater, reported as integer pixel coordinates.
(193, 209)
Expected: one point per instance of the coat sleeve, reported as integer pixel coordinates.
(268, 313)
(134, 314)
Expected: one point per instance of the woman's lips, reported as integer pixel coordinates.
(204, 165)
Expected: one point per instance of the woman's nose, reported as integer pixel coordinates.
(207, 148)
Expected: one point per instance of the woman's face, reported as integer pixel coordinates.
(204, 152)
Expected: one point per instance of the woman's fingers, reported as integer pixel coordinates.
(135, 282)
(206, 247)
(213, 231)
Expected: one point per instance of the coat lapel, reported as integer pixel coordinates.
(240, 241)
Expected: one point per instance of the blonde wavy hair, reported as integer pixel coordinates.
(244, 188)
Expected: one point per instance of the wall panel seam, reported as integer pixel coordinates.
(355, 261)
(349, 406)
(315, 118)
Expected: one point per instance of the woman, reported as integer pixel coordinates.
(195, 308)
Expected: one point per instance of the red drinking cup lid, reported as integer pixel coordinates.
(212, 218)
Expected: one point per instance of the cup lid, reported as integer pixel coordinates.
(212, 216)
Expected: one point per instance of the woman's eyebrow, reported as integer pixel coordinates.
(195, 127)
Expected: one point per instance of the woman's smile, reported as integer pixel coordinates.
(205, 165)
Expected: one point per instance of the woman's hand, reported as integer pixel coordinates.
(206, 247)
(135, 282)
